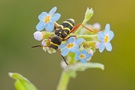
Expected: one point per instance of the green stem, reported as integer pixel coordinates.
(87, 36)
(90, 44)
(84, 22)
(64, 79)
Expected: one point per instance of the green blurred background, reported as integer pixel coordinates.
(18, 19)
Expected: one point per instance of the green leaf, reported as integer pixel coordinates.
(82, 67)
(21, 82)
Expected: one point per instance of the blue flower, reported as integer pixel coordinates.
(83, 56)
(105, 37)
(47, 20)
(72, 45)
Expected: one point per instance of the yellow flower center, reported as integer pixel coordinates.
(47, 19)
(82, 56)
(70, 45)
(106, 39)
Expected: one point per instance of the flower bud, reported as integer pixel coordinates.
(45, 42)
(90, 52)
(97, 45)
(88, 14)
(39, 35)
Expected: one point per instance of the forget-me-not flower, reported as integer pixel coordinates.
(105, 37)
(47, 20)
(72, 45)
(82, 56)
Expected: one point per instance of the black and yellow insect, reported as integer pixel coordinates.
(61, 33)
(65, 28)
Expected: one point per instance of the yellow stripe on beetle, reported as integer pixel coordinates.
(54, 44)
(68, 23)
(66, 29)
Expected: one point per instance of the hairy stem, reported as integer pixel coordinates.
(64, 79)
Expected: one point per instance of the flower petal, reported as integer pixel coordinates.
(64, 52)
(111, 35)
(71, 39)
(74, 49)
(52, 11)
(79, 41)
(88, 56)
(101, 36)
(84, 52)
(108, 46)
(101, 47)
(50, 27)
(42, 15)
(55, 17)
(40, 26)
(77, 57)
(83, 60)
(62, 46)
(107, 28)
(77, 53)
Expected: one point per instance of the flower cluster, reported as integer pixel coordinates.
(80, 45)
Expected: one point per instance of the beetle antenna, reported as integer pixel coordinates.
(36, 46)
(64, 59)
